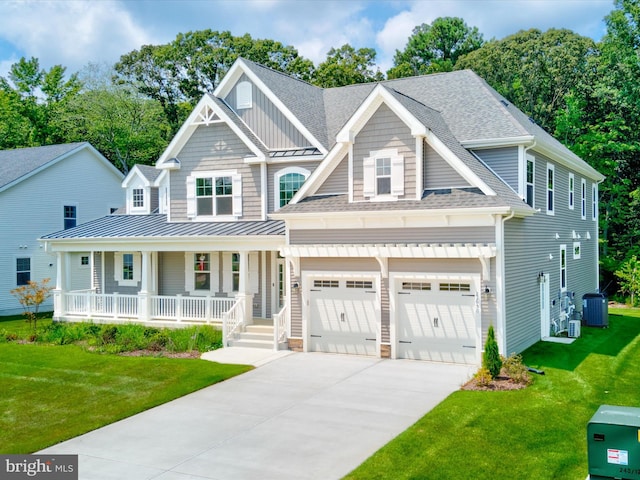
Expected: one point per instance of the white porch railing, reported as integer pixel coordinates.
(280, 327)
(233, 321)
(90, 304)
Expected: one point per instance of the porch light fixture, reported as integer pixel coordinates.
(295, 285)
(541, 277)
(588, 236)
(550, 256)
(557, 236)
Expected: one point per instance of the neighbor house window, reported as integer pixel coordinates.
(383, 174)
(23, 271)
(202, 271)
(563, 267)
(287, 182)
(138, 197)
(572, 187)
(550, 183)
(530, 182)
(127, 266)
(594, 202)
(583, 197)
(69, 216)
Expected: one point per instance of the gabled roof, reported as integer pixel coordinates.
(149, 175)
(19, 164)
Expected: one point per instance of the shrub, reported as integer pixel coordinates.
(483, 377)
(491, 356)
(516, 370)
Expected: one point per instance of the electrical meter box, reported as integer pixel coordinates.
(613, 443)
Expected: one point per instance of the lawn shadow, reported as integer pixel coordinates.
(622, 330)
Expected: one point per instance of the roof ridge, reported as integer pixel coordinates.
(279, 72)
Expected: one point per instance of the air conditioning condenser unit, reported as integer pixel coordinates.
(574, 328)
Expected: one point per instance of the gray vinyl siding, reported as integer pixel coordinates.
(479, 235)
(171, 272)
(110, 283)
(79, 275)
(384, 131)
(437, 173)
(272, 169)
(267, 121)
(212, 148)
(528, 243)
(97, 271)
(338, 181)
(155, 202)
(296, 305)
(503, 161)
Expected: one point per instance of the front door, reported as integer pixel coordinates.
(545, 306)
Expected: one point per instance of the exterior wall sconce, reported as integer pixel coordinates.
(295, 285)
(541, 278)
(550, 257)
(588, 236)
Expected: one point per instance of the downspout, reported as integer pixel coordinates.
(500, 286)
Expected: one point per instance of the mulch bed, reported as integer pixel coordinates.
(161, 353)
(499, 383)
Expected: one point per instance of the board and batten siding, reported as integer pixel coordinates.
(338, 180)
(211, 148)
(529, 244)
(34, 207)
(478, 235)
(437, 173)
(274, 168)
(384, 131)
(503, 161)
(266, 120)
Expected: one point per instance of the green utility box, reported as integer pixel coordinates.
(613, 443)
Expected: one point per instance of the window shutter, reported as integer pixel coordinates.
(237, 195)
(189, 285)
(191, 197)
(254, 273)
(117, 266)
(227, 274)
(369, 177)
(397, 176)
(137, 266)
(215, 271)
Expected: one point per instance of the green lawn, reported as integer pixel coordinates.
(52, 393)
(536, 433)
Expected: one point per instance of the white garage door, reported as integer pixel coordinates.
(436, 321)
(343, 316)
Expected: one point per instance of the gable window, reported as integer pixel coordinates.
(138, 197)
(594, 202)
(530, 182)
(69, 216)
(571, 191)
(550, 181)
(383, 175)
(127, 268)
(563, 268)
(214, 194)
(244, 95)
(23, 271)
(202, 271)
(287, 182)
(583, 201)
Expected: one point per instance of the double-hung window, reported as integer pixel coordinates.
(550, 189)
(214, 194)
(594, 202)
(127, 266)
(563, 268)
(572, 189)
(530, 182)
(70, 216)
(383, 175)
(202, 271)
(583, 199)
(23, 271)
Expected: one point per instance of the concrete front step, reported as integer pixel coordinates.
(252, 343)
(264, 329)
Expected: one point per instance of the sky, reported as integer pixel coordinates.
(74, 33)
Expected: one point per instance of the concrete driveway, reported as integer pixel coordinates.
(302, 416)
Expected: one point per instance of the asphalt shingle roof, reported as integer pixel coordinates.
(156, 225)
(150, 173)
(18, 163)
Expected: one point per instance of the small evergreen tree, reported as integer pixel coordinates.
(491, 357)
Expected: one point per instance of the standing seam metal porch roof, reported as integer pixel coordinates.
(156, 226)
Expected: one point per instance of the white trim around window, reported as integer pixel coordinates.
(222, 187)
(383, 175)
(277, 197)
(127, 268)
(550, 189)
(594, 202)
(583, 199)
(572, 191)
(563, 268)
(530, 181)
(576, 250)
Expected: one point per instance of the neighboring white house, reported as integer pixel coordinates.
(43, 189)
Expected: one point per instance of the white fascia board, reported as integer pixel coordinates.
(452, 159)
(320, 174)
(525, 140)
(363, 114)
(168, 244)
(232, 76)
(133, 173)
(188, 127)
(566, 157)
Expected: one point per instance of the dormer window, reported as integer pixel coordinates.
(383, 175)
(138, 198)
(244, 95)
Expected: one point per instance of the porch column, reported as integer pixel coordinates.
(58, 304)
(243, 288)
(144, 296)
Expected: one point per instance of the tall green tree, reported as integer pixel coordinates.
(535, 70)
(347, 66)
(181, 71)
(435, 47)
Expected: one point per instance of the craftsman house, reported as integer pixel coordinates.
(44, 189)
(396, 219)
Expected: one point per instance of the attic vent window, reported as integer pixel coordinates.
(244, 95)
